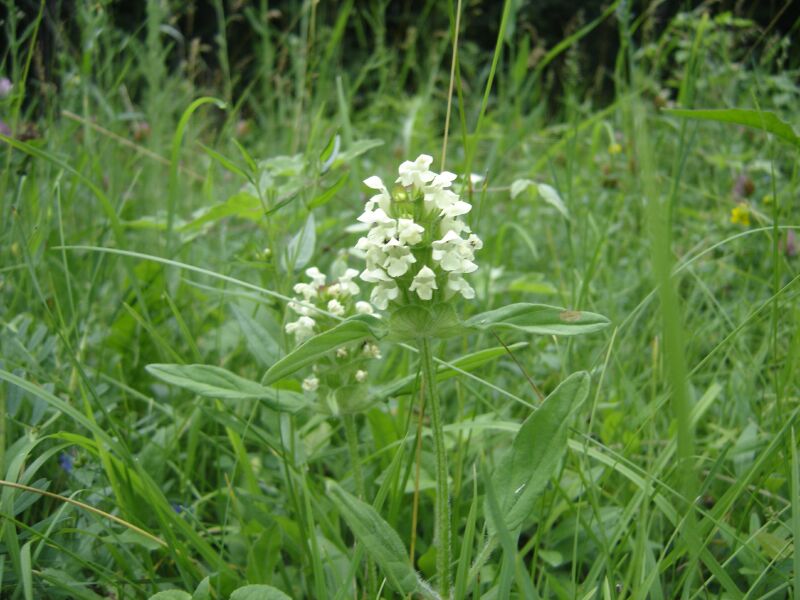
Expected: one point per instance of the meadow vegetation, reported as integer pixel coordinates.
(180, 419)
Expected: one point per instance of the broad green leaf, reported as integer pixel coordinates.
(356, 328)
(203, 590)
(259, 592)
(301, 246)
(381, 542)
(523, 473)
(242, 205)
(550, 195)
(216, 382)
(414, 322)
(758, 119)
(539, 319)
(259, 341)
(171, 595)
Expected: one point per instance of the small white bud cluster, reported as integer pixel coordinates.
(415, 243)
(339, 300)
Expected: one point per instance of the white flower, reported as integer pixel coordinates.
(382, 199)
(475, 178)
(374, 275)
(335, 307)
(334, 289)
(453, 253)
(310, 384)
(424, 283)
(444, 179)
(398, 258)
(443, 199)
(456, 284)
(317, 277)
(364, 308)
(373, 253)
(302, 329)
(307, 290)
(416, 173)
(453, 224)
(371, 350)
(455, 209)
(409, 232)
(376, 216)
(475, 242)
(342, 353)
(346, 282)
(300, 309)
(383, 293)
(361, 376)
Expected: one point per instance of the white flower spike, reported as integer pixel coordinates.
(416, 249)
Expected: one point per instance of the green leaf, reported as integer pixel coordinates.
(241, 204)
(259, 592)
(550, 195)
(328, 193)
(27, 571)
(758, 119)
(226, 163)
(301, 246)
(415, 322)
(520, 185)
(171, 595)
(381, 542)
(350, 330)
(260, 342)
(546, 192)
(330, 152)
(523, 473)
(357, 149)
(216, 382)
(203, 590)
(539, 319)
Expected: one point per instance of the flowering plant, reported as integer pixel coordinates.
(417, 249)
(337, 377)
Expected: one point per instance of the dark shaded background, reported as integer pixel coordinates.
(544, 22)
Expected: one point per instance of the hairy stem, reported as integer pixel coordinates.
(442, 508)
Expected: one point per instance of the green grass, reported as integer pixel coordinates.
(118, 251)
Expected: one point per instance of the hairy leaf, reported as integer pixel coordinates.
(539, 445)
(216, 382)
(360, 327)
(382, 543)
(538, 318)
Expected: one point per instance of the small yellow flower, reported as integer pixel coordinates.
(614, 148)
(740, 215)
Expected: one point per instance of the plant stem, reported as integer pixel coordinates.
(442, 509)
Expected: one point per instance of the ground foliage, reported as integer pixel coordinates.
(160, 202)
